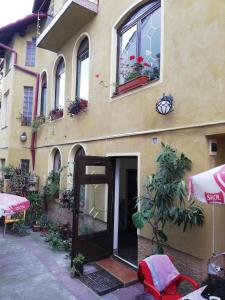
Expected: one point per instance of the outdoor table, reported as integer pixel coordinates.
(196, 295)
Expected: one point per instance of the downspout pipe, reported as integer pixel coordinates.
(37, 76)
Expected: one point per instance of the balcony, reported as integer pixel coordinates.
(73, 15)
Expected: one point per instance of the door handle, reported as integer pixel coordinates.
(77, 211)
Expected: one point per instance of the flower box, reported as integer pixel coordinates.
(77, 106)
(133, 83)
(56, 113)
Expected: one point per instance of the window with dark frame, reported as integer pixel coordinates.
(25, 165)
(139, 44)
(60, 84)
(82, 78)
(43, 95)
(31, 53)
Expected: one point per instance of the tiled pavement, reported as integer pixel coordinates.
(31, 270)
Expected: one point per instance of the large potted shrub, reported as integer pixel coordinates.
(165, 199)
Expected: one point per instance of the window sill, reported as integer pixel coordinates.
(133, 86)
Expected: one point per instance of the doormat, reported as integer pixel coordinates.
(101, 282)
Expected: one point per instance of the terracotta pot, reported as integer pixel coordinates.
(133, 83)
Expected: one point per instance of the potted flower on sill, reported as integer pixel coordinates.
(56, 113)
(134, 73)
(78, 265)
(77, 106)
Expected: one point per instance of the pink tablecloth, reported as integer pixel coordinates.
(11, 204)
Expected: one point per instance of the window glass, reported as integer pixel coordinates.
(139, 44)
(31, 53)
(60, 84)
(128, 48)
(27, 106)
(150, 42)
(25, 163)
(43, 95)
(57, 161)
(4, 110)
(82, 86)
(8, 62)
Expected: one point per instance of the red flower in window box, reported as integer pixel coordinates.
(139, 59)
(56, 113)
(77, 106)
(132, 57)
(133, 83)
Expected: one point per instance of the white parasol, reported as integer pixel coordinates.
(209, 187)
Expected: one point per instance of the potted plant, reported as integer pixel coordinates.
(56, 113)
(77, 106)
(78, 265)
(135, 73)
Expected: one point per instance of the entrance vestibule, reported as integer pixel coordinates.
(126, 191)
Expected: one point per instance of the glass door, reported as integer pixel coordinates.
(93, 207)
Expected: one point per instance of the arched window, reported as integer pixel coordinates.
(43, 94)
(82, 84)
(57, 161)
(139, 43)
(60, 84)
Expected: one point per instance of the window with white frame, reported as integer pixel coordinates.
(31, 53)
(27, 106)
(60, 84)
(139, 39)
(82, 78)
(4, 110)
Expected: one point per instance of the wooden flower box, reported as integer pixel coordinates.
(133, 83)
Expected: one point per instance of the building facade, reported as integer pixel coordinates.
(86, 54)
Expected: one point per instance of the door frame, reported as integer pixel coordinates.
(116, 192)
(81, 178)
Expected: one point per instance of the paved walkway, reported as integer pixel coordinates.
(31, 270)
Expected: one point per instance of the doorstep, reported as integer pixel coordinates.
(120, 270)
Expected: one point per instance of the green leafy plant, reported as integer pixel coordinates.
(164, 201)
(59, 236)
(37, 122)
(79, 259)
(51, 188)
(19, 226)
(36, 209)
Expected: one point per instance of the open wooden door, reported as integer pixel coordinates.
(93, 207)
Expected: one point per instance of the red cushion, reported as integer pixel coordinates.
(171, 297)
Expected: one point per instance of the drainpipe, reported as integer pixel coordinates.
(37, 76)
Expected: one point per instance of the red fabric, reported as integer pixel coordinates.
(171, 297)
(170, 293)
